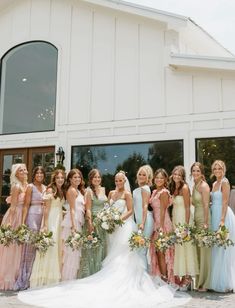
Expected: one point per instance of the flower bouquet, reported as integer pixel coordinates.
(23, 235)
(7, 235)
(182, 233)
(108, 218)
(222, 238)
(164, 241)
(75, 240)
(91, 240)
(203, 237)
(138, 240)
(42, 241)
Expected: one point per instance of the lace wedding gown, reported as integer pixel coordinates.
(121, 283)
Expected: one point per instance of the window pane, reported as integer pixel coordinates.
(28, 88)
(210, 149)
(128, 157)
(47, 161)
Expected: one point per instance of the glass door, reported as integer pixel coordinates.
(32, 157)
(7, 159)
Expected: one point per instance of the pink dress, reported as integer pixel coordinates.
(169, 254)
(11, 256)
(71, 259)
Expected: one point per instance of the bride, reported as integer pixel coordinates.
(123, 281)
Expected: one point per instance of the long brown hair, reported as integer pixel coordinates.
(35, 170)
(201, 167)
(53, 186)
(164, 174)
(81, 186)
(172, 186)
(91, 175)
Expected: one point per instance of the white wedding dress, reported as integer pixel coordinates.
(121, 283)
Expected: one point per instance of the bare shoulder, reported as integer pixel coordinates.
(185, 188)
(205, 186)
(128, 194)
(225, 183)
(111, 193)
(72, 191)
(15, 189)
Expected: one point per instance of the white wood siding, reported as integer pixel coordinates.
(114, 83)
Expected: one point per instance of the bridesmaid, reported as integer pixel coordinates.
(162, 263)
(32, 216)
(11, 256)
(223, 260)
(185, 262)
(201, 202)
(141, 196)
(95, 200)
(73, 221)
(47, 269)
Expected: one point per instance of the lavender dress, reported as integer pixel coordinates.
(33, 221)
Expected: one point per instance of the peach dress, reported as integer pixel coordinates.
(11, 256)
(169, 254)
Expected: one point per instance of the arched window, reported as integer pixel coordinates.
(28, 88)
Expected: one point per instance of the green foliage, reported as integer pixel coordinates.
(209, 150)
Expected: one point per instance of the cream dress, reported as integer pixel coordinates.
(47, 268)
(185, 262)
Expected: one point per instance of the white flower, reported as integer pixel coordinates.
(105, 226)
(104, 218)
(116, 217)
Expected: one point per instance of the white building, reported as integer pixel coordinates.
(78, 73)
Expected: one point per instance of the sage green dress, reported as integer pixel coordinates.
(203, 253)
(91, 259)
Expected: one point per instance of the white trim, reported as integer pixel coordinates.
(141, 10)
(204, 62)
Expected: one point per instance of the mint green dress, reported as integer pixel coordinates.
(91, 259)
(203, 253)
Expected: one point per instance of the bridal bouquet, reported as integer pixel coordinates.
(222, 238)
(7, 235)
(138, 240)
(42, 241)
(75, 240)
(91, 240)
(182, 233)
(164, 241)
(23, 235)
(203, 237)
(108, 218)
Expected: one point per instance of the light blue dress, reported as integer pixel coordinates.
(138, 212)
(223, 260)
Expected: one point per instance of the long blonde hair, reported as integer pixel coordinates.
(221, 164)
(149, 172)
(14, 179)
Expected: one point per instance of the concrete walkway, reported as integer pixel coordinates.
(199, 300)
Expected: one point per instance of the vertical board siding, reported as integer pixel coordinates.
(80, 65)
(151, 93)
(103, 67)
(126, 79)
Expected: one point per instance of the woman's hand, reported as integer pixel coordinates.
(205, 226)
(43, 229)
(141, 227)
(221, 222)
(73, 230)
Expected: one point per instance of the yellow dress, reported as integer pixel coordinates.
(185, 262)
(47, 269)
(203, 253)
